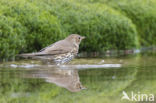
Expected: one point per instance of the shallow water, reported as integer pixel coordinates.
(84, 80)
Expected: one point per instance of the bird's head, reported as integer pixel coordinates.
(75, 38)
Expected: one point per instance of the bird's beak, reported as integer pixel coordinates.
(83, 37)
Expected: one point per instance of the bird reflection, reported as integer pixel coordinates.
(66, 78)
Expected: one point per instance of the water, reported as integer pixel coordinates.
(84, 80)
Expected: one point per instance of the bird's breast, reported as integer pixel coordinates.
(64, 58)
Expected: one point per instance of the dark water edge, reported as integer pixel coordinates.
(44, 84)
(103, 54)
(119, 53)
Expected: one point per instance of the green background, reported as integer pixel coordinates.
(29, 25)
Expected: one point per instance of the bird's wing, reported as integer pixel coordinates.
(59, 47)
(46, 47)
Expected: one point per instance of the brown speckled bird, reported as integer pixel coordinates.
(59, 52)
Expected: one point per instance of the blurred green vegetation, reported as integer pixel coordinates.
(29, 25)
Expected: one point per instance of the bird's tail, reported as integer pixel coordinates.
(37, 55)
(28, 54)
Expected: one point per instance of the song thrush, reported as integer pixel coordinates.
(59, 52)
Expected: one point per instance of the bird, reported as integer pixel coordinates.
(60, 52)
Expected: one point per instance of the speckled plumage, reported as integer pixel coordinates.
(59, 52)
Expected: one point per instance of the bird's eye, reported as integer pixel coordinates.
(79, 37)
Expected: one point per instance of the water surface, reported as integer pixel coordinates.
(29, 81)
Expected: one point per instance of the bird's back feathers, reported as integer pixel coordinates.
(59, 47)
(62, 50)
